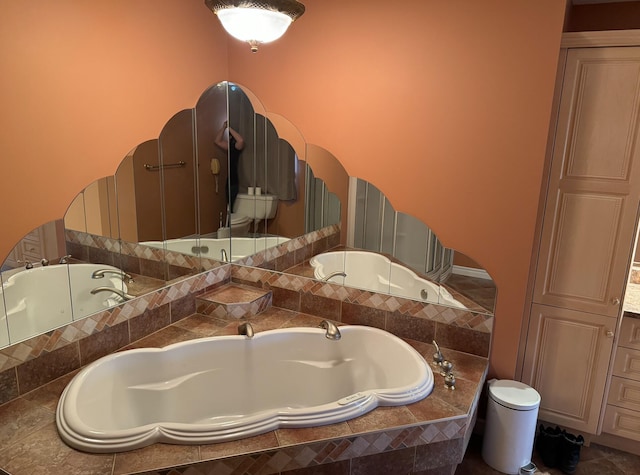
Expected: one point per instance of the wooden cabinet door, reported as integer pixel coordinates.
(589, 220)
(569, 364)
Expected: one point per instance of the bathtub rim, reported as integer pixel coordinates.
(79, 436)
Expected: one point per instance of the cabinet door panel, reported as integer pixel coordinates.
(569, 366)
(624, 393)
(630, 333)
(627, 363)
(622, 422)
(590, 213)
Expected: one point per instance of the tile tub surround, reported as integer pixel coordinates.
(454, 328)
(29, 364)
(423, 438)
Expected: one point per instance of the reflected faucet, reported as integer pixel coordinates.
(27, 263)
(223, 254)
(245, 329)
(100, 273)
(65, 259)
(332, 330)
(334, 274)
(120, 293)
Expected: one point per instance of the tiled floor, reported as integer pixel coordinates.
(594, 460)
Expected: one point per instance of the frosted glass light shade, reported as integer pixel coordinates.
(256, 21)
(254, 24)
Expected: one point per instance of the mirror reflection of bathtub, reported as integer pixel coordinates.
(48, 303)
(375, 272)
(224, 249)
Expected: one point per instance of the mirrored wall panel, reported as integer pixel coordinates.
(216, 186)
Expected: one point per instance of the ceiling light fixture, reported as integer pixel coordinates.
(256, 21)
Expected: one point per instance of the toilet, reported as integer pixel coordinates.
(239, 226)
(255, 208)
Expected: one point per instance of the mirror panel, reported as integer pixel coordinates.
(4, 328)
(140, 205)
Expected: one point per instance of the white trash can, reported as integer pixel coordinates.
(512, 414)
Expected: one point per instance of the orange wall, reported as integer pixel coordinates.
(82, 83)
(444, 106)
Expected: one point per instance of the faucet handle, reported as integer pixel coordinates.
(438, 358)
(65, 259)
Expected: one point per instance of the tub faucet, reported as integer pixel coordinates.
(224, 255)
(100, 273)
(332, 330)
(245, 329)
(120, 293)
(27, 264)
(334, 274)
(65, 259)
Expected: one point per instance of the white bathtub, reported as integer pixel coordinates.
(230, 387)
(372, 271)
(43, 298)
(236, 248)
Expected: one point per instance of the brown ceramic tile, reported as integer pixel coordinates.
(20, 418)
(202, 325)
(303, 320)
(47, 367)
(398, 462)
(154, 457)
(182, 308)
(405, 326)
(438, 454)
(237, 447)
(463, 339)
(432, 408)
(320, 306)
(382, 418)
(360, 315)
(102, 256)
(104, 342)
(285, 298)
(337, 468)
(8, 385)
(234, 294)
(285, 261)
(149, 322)
(164, 337)
(49, 394)
(310, 434)
(272, 318)
(52, 457)
(153, 269)
(448, 470)
(462, 397)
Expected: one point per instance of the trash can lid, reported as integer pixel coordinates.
(514, 394)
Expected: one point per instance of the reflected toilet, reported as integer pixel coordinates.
(239, 226)
(254, 208)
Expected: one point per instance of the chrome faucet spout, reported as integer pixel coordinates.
(100, 273)
(120, 293)
(224, 255)
(245, 329)
(332, 330)
(334, 274)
